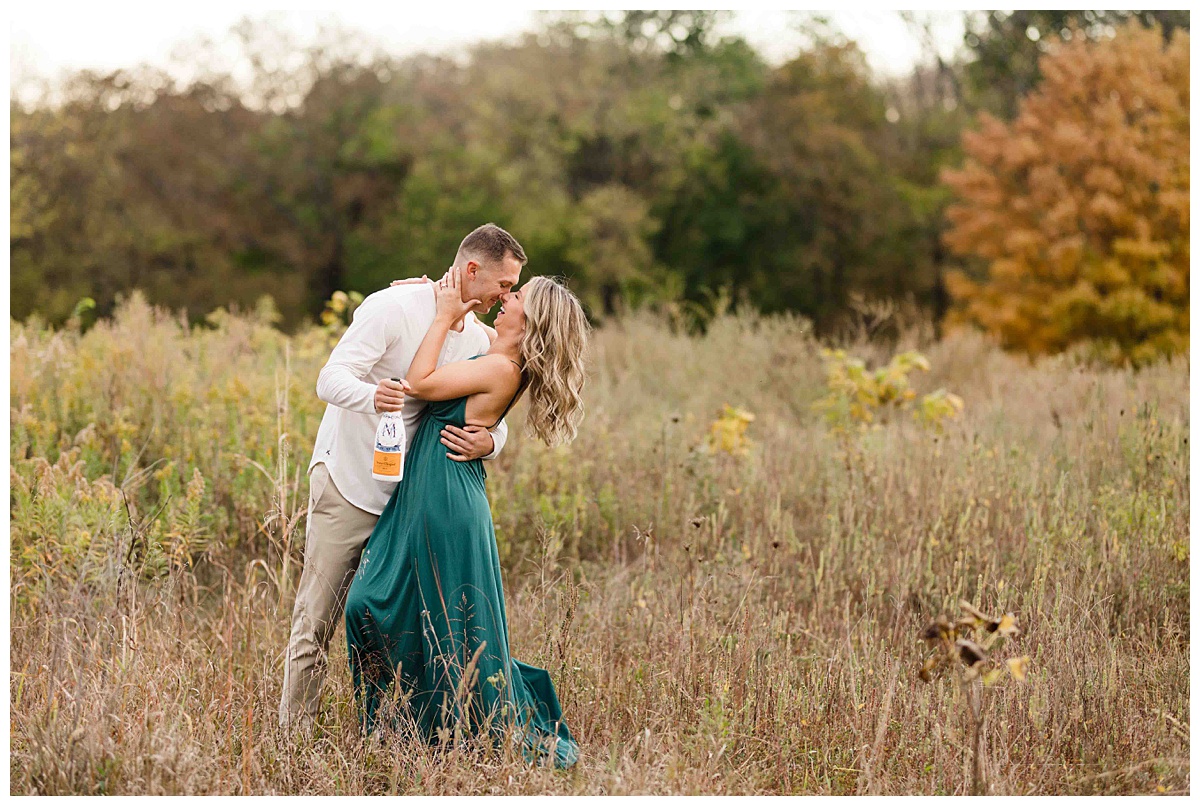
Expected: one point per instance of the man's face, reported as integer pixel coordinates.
(490, 283)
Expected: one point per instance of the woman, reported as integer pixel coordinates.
(426, 607)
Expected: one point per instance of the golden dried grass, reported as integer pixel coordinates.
(713, 623)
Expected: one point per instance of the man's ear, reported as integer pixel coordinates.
(472, 268)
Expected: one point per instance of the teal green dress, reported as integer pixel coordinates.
(425, 623)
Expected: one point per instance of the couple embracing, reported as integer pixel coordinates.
(414, 564)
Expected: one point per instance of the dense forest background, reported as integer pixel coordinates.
(642, 154)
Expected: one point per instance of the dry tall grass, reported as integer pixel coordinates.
(714, 624)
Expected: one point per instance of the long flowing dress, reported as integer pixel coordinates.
(425, 620)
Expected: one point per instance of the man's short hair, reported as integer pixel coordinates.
(489, 245)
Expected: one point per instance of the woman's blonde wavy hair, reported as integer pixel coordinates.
(553, 350)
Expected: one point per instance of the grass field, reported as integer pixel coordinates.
(714, 623)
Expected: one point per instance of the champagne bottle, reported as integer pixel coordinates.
(389, 447)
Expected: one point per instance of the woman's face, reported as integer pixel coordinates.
(511, 317)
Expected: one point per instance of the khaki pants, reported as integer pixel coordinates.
(334, 537)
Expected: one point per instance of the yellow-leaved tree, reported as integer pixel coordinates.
(1079, 206)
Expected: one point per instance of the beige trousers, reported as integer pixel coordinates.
(334, 537)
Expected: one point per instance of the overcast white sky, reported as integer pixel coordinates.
(47, 39)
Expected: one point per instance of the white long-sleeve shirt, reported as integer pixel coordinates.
(380, 343)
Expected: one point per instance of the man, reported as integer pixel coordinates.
(344, 500)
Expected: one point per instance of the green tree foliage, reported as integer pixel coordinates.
(136, 183)
(820, 131)
(678, 33)
(646, 155)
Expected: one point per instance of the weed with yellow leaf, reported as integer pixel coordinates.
(727, 433)
(858, 395)
(968, 649)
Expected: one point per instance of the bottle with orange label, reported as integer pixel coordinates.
(389, 447)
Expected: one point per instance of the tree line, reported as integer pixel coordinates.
(645, 155)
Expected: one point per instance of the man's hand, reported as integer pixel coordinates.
(465, 444)
(422, 279)
(389, 395)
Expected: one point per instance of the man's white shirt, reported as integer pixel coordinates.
(380, 343)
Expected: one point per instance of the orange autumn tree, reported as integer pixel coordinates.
(1079, 207)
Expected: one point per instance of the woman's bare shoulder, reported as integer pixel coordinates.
(500, 367)
(498, 361)
(500, 379)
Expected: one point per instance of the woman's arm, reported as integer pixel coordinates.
(461, 377)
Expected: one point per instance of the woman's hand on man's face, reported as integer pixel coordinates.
(448, 293)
